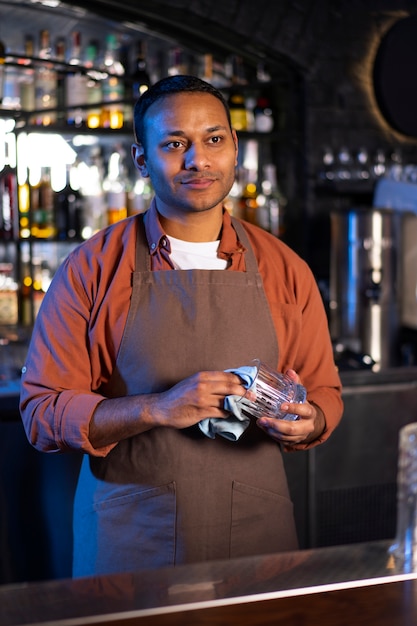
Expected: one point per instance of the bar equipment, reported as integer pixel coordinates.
(364, 282)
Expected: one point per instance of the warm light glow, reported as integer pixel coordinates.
(43, 150)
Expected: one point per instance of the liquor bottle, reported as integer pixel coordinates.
(94, 95)
(42, 209)
(177, 62)
(238, 114)
(263, 114)
(45, 84)
(27, 78)
(8, 295)
(272, 203)
(8, 204)
(60, 80)
(2, 69)
(140, 78)
(10, 80)
(68, 209)
(23, 194)
(76, 84)
(139, 196)
(115, 187)
(248, 202)
(113, 86)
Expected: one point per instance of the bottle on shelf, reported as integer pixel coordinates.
(69, 211)
(238, 114)
(8, 295)
(60, 52)
(115, 187)
(140, 79)
(271, 202)
(8, 205)
(23, 192)
(45, 84)
(248, 201)
(94, 86)
(177, 61)
(11, 86)
(113, 86)
(76, 88)
(27, 77)
(41, 208)
(2, 69)
(139, 196)
(263, 115)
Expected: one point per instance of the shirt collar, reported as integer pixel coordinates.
(230, 247)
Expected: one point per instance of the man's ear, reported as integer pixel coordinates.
(235, 140)
(138, 157)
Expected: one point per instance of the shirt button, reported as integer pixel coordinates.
(153, 246)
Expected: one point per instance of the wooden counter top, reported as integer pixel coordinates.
(355, 584)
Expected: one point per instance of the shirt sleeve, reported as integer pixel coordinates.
(301, 325)
(57, 400)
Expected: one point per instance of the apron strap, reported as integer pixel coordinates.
(143, 258)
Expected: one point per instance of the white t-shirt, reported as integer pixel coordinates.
(190, 255)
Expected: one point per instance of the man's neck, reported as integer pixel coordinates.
(195, 227)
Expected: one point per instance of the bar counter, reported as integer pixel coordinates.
(342, 585)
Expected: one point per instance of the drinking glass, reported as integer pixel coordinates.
(272, 389)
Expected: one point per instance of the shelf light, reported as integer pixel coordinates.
(40, 150)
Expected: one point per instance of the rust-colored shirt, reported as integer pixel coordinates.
(78, 331)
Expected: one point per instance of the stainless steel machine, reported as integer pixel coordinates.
(365, 279)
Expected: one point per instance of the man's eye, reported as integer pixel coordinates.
(174, 144)
(216, 139)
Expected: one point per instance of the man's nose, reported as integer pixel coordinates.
(196, 157)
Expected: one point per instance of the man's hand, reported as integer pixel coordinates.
(196, 398)
(191, 400)
(289, 432)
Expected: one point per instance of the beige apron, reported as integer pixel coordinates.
(169, 496)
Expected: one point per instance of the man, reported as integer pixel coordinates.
(129, 354)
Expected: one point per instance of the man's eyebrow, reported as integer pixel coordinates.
(181, 133)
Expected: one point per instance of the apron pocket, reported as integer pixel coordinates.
(262, 522)
(127, 532)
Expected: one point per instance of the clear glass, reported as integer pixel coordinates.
(404, 548)
(272, 389)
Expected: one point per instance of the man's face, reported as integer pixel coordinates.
(191, 153)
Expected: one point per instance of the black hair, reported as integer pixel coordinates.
(166, 87)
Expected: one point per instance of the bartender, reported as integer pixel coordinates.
(132, 349)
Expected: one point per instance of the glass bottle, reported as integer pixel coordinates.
(271, 203)
(404, 548)
(8, 295)
(140, 77)
(248, 202)
(238, 114)
(94, 95)
(68, 210)
(60, 80)
(27, 78)
(263, 115)
(115, 187)
(2, 69)
(76, 84)
(45, 84)
(8, 204)
(42, 208)
(113, 86)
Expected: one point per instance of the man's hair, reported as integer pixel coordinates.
(167, 87)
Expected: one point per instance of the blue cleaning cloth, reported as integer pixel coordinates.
(233, 427)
